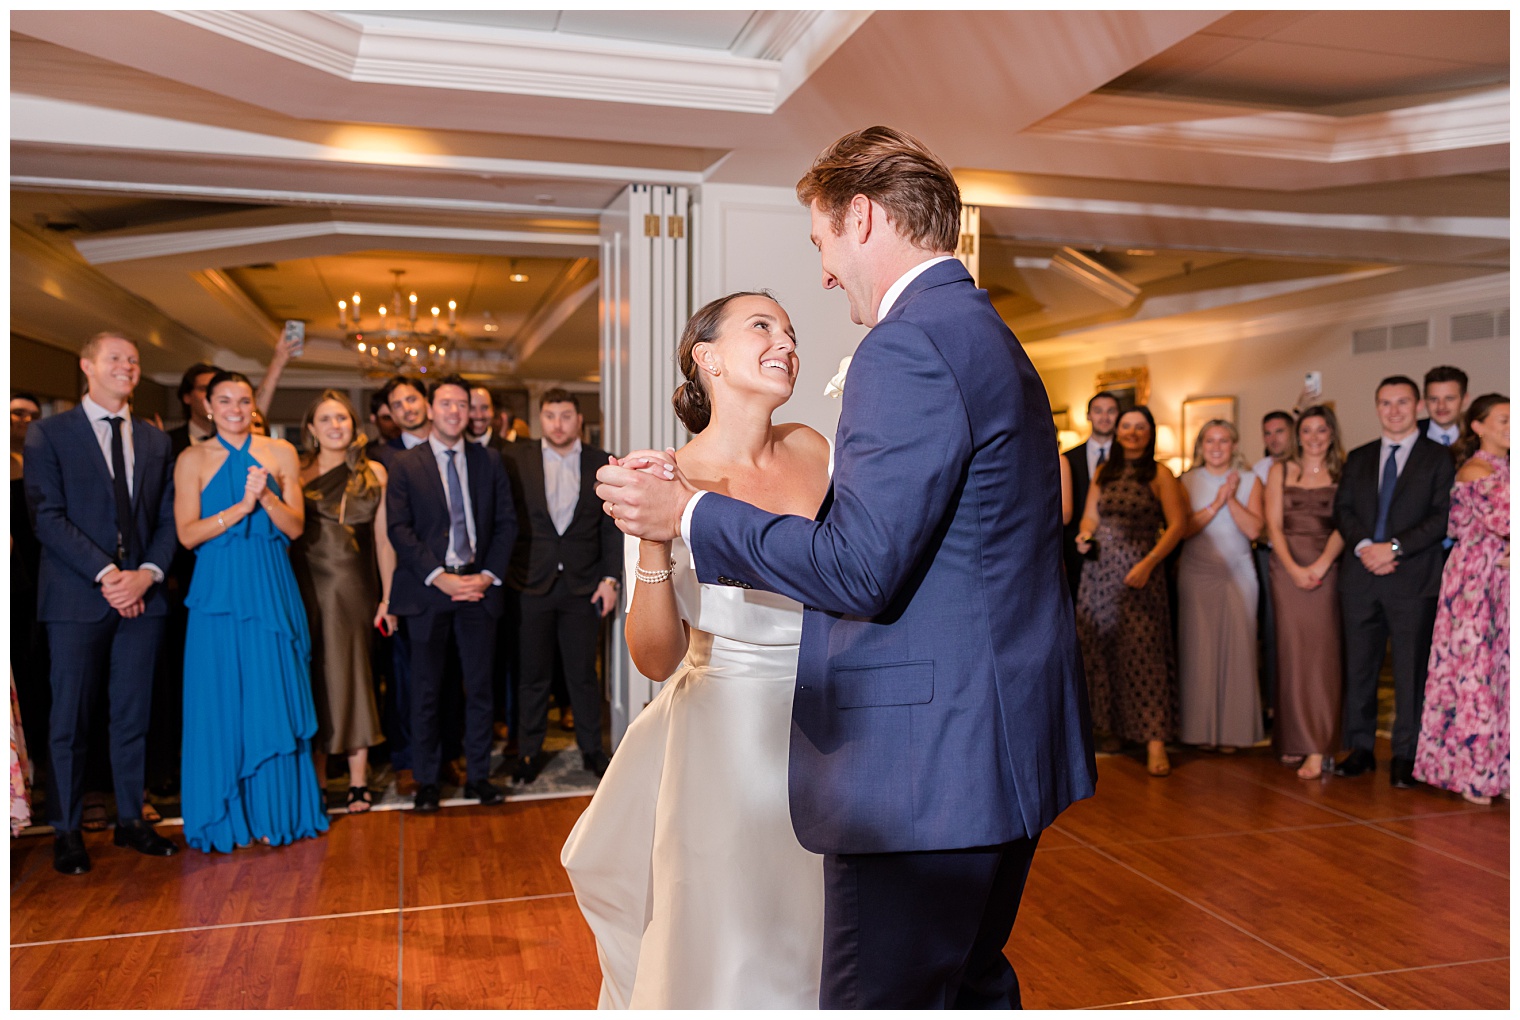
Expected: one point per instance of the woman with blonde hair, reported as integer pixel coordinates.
(343, 563)
(1217, 594)
(1306, 549)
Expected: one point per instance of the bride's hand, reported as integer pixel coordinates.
(652, 461)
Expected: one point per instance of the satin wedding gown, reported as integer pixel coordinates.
(685, 864)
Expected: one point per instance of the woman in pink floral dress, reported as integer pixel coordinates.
(1464, 734)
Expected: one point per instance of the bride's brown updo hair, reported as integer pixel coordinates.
(691, 400)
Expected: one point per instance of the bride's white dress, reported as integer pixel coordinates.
(685, 864)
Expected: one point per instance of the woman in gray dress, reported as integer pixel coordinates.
(1217, 596)
(343, 563)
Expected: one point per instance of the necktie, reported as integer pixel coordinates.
(1385, 494)
(457, 526)
(1445, 438)
(1102, 455)
(126, 530)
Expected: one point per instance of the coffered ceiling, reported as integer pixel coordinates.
(198, 176)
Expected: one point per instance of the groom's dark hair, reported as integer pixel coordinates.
(895, 169)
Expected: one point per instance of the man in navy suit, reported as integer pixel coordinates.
(1084, 460)
(99, 485)
(450, 519)
(940, 717)
(1391, 508)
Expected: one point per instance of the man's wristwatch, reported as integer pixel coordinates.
(1398, 550)
(616, 584)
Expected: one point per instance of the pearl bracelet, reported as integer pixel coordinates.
(653, 576)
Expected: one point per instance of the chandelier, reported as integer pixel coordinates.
(395, 344)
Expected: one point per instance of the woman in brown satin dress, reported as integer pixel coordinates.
(336, 561)
(1137, 512)
(1306, 548)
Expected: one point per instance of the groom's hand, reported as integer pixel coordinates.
(645, 494)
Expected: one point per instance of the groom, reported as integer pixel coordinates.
(940, 718)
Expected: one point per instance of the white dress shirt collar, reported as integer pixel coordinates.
(573, 453)
(895, 291)
(1437, 432)
(408, 441)
(1095, 447)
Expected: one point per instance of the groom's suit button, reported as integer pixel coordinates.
(731, 582)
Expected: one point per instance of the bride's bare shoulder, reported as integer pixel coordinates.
(800, 437)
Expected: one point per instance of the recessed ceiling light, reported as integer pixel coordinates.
(544, 199)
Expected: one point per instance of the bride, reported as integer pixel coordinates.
(685, 864)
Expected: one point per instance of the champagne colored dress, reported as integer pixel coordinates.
(335, 567)
(1309, 667)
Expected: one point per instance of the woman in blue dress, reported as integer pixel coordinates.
(249, 717)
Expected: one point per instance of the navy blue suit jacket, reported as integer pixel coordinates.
(940, 699)
(417, 520)
(73, 506)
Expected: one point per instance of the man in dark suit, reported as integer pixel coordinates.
(99, 485)
(1084, 460)
(1445, 394)
(940, 720)
(450, 520)
(196, 427)
(565, 568)
(1391, 509)
(483, 420)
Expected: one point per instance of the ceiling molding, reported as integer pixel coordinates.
(46, 121)
(575, 286)
(1173, 333)
(270, 196)
(374, 49)
(104, 250)
(1466, 122)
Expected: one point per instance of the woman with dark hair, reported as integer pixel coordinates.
(335, 560)
(1464, 734)
(1217, 592)
(1135, 515)
(247, 771)
(1306, 550)
(699, 783)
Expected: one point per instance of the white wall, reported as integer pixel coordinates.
(754, 238)
(1267, 371)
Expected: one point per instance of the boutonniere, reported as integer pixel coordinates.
(835, 387)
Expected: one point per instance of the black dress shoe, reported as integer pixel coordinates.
(69, 854)
(426, 801)
(595, 762)
(527, 769)
(140, 836)
(484, 791)
(1401, 774)
(1355, 763)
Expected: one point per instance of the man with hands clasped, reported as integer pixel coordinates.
(99, 487)
(451, 522)
(1391, 508)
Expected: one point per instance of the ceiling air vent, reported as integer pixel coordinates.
(1369, 341)
(1479, 325)
(1409, 334)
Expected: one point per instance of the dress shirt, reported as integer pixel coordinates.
(484, 439)
(441, 456)
(1093, 449)
(408, 441)
(895, 291)
(197, 432)
(1399, 460)
(562, 484)
(1263, 467)
(98, 421)
(887, 301)
(1445, 435)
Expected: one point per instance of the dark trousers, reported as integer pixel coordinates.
(120, 653)
(473, 632)
(396, 710)
(573, 625)
(505, 692)
(922, 930)
(1369, 621)
(166, 717)
(1266, 621)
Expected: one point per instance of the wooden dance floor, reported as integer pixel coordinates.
(1230, 884)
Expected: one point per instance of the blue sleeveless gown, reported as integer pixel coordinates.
(249, 719)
